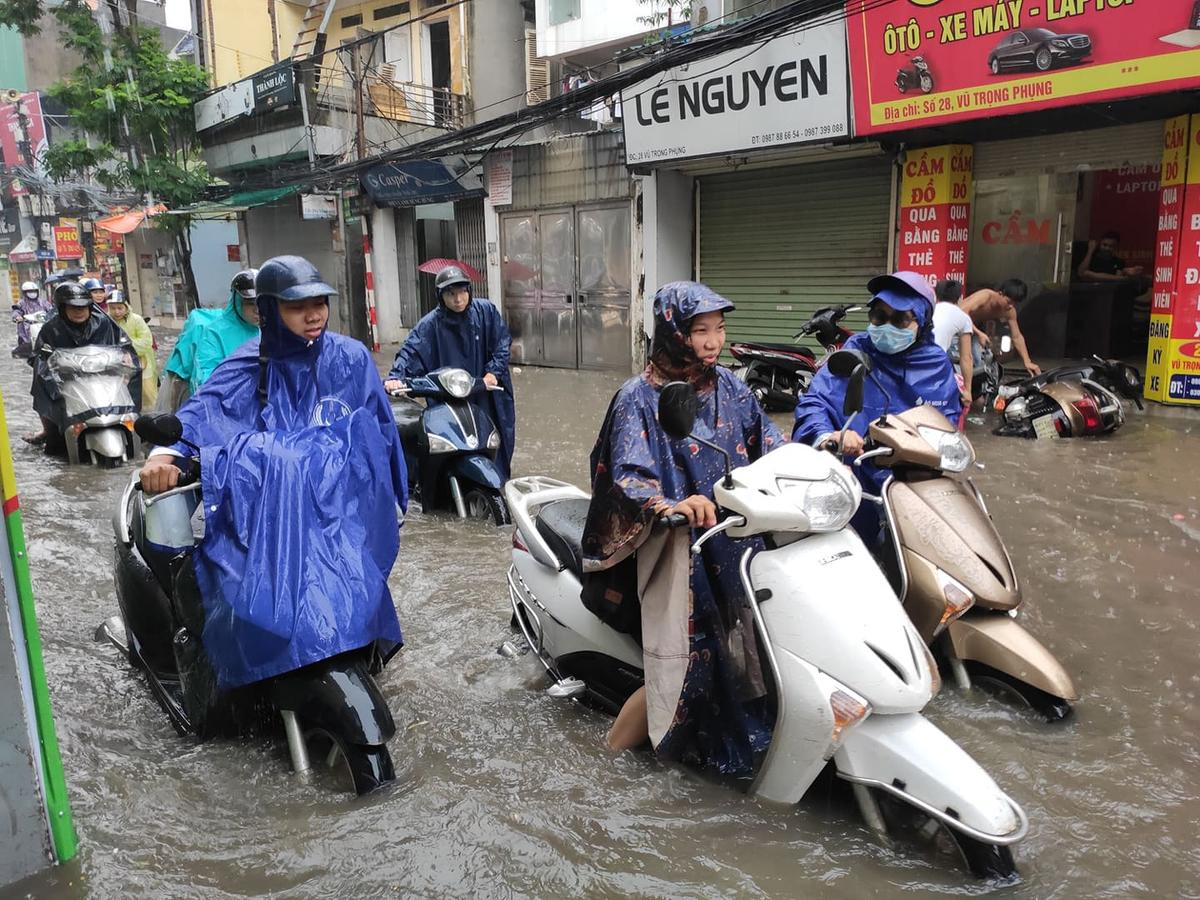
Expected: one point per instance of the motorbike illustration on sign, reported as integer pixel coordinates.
(1010, 56)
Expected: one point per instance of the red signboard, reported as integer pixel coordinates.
(12, 134)
(66, 241)
(930, 62)
(1126, 201)
(935, 212)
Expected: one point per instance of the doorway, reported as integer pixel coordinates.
(436, 40)
(566, 286)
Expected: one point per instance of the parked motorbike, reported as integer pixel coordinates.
(915, 74)
(848, 679)
(947, 561)
(777, 374)
(450, 445)
(1071, 401)
(98, 411)
(826, 326)
(333, 714)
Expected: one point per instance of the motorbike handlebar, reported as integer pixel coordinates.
(675, 520)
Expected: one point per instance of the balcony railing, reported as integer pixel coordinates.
(418, 104)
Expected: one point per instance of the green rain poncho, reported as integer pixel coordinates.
(219, 337)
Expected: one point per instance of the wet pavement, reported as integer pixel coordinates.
(503, 791)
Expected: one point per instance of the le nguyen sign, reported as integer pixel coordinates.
(793, 89)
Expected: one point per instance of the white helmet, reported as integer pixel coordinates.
(29, 287)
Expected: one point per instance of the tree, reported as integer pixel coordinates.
(663, 12)
(133, 104)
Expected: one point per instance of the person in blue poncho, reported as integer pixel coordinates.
(701, 702)
(302, 475)
(467, 333)
(208, 336)
(912, 369)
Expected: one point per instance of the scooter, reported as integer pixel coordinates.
(335, 718)
(848, 673)
(98, 409)
(915, 75)
(1071, 401)
(777, 374)
(947, 561)
(450, 445)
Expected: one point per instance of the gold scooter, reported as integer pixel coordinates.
(948, 563)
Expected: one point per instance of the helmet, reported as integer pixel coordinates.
(92, 284)
(29, 287)
(72, 293)
(451, 275)
(116, 296)
(243, 283)
(290, 278)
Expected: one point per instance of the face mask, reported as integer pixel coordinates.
(890, 339)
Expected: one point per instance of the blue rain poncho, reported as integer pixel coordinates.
(709, 681)
(476, 340)
(921, 374)
(302, 473)
(218, 337)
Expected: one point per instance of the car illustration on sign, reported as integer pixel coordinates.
(1038, 48)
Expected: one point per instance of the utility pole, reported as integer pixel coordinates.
(358, 76)
(25, 148)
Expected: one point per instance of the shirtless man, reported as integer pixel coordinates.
(998, 306)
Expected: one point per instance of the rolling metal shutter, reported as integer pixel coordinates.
(782, 243)
(1140, 144)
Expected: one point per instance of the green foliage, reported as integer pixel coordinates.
(22, 15)
(668, 11)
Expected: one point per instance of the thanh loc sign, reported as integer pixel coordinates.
(1173, 354)
(935, 212)
(932, 62)
(791, 90)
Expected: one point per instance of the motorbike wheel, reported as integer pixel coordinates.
(902, 85)
(347, 768)
(926, 83)
(100, 461)
(483, 504)
(989, 861)
(1053, 709)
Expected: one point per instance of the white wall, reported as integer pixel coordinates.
(668, 233)
(210, 260)
(601, 22)
(386, 275)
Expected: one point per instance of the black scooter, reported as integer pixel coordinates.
(333, 713)
(450, 445)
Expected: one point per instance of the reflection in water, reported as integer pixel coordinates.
(504, 791)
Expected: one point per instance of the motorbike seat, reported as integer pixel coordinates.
(408, 420)
(561, 526)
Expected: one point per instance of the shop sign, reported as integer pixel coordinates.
(66, 239)
(274, 87)
(499, 177)
(930, 62)
(107, 242)
(1172, 362)
(935, 212)
(319, 206)
(12, 134)
(791, 90)
(230, 102)
(421, 181)
(233, 253)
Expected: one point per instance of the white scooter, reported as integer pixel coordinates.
(850, 673)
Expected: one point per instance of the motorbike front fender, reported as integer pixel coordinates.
(108, 442)
(475, 468)
(999, 641)
(908, 756)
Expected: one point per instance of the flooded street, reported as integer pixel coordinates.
(503, 791)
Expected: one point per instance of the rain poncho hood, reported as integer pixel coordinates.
(220, 336)
(675, 305)
(302, 474)
(476, 340)
(701, 659)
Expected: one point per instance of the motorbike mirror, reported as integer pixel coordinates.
(844, 363)
(1005, 344)
(677, 406)
(160, 429)
(854, 391)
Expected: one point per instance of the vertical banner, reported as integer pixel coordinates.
(1183, 363)
(935, 212)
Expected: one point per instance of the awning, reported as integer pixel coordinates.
(25, 251)
(239, 202)
(125, 222)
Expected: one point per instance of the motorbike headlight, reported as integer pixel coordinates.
(828, 503)
(493, 441)
(440, 444)
(955, 449)
(456, 383)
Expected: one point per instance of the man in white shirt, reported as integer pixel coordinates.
(952, 326)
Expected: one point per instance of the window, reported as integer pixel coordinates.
(430, 4)
(351, 21)
(564, 11)
(387, 12)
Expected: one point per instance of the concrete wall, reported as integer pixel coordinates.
(668, 234)
(151, 289)
(236, 38)
(497, 58)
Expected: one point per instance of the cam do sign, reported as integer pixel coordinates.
(793, 89)
(930, 62)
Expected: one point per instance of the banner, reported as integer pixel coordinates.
(790, 90)
(930, 62)
(66, 239)
(12, 134)
(935, 212)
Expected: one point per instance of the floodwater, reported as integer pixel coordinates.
(504, 791)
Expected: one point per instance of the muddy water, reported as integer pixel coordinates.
(504, 791)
